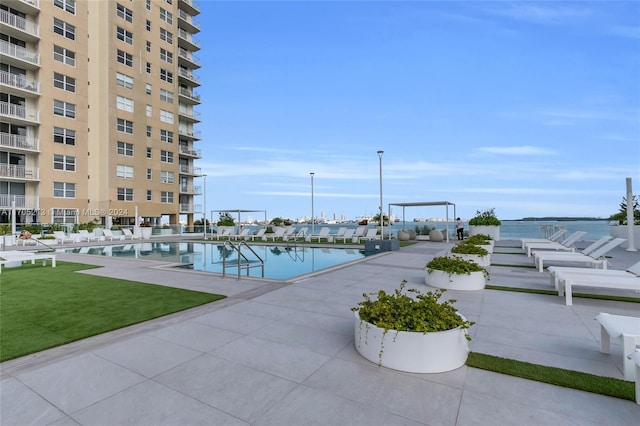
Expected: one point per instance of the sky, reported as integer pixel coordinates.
(531, 108)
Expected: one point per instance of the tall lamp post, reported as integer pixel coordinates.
(381, 217)
(313, 227)
(204, 216)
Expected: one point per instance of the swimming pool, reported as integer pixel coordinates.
(280, 262)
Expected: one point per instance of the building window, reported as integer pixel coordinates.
(148, 88)
(64, 82)
(148, 4)
(64, 190)
(148, 67)
(166, 197)
(124, 35)
(64, 136)
(148, 46)
(64, 55)
(148, 25)
(166, 96)
(64, 215)
(149, 151)
(149, 110)
(124, 58)
(166, 16)
(124, 13)
(149, 174)
(124, 104)
(166, 36)
(64, 109)
(166, 177)
(125, 148)
(166, 116)
(68, 5)
(125, 194)
(149, 198)
(166, 156)
(124, 172)
(124, 80)
(125, 126)
(166, 75)
(166, 56)
(148, 131)
(166, 136)
(64, 162)
(64, 29)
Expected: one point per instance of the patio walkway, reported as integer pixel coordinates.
(283, 354)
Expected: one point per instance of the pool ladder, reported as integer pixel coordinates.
(243, 261)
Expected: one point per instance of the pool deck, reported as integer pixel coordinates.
(283, 354)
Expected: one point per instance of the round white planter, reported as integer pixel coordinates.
(441, 279)
(483, 261)
(492, 231)
(403, 236)
(422, 238)
(488, 247)
(145, 232)
(412, 352)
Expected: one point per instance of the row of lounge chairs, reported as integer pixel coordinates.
(343, 234)
(85, 236)
(15, 258)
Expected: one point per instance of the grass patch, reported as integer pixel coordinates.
(43, 307)
(513, 266)
(555, 293)
(556, 376)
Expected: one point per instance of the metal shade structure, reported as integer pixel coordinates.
(427, 204)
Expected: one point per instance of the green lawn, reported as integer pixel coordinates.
(43, 307)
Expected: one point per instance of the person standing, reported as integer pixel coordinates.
(460, 229)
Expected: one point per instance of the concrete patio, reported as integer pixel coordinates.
(283, 354)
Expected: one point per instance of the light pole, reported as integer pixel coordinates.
(313, 227)
(204, 216)
(381, 217)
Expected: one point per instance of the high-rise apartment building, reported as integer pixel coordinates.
(97, 118)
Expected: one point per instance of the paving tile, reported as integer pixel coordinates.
(306, 406)
(194, 335)
(313, 339)
(21, 406)
(232, 321)
(275, 358)
(151, 403)
(241, 391)
(147, 355)
(80, 381)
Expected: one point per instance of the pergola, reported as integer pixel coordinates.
(427, 204)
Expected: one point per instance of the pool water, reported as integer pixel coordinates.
(280, 262)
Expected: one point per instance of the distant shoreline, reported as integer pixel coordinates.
(559, 219)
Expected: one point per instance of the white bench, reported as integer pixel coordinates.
(565, 284)
(620, 327)
(635, 358)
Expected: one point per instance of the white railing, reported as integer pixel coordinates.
(189, 151)
(18, 141)
(190, 132)
(188, 37)
(34, 3)
(22, 201)
(20, 23)
(193, 3)
(18, 52)
(189, 189)
(19, 81)
(186, 17)
(189, 93)
(194, 115)
(20, 172)
(190, 170)
(188, 56)
(17, 111)
(186, 74)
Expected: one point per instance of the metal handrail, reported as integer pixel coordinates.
(247, 263)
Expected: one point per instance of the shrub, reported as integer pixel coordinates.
(485, 218)
(454, 265)
(469, 248)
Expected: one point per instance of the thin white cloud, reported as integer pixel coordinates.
(538, 13)
(516, 150)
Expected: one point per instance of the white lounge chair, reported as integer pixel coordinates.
(594, 259)
(128, 234)
(565, 284)
(11, 257)
(348, 235)
(566, 244)
(279, 233)
(224, 233)
(340, 232)
(635, 358)
(624, 328)
(322, 235)
(62, 238)
(244, 234)
(561, 273)
(372, 234)
(259, 234)
(553, 238)
(87, 236)
(109, 234)
(360, 231)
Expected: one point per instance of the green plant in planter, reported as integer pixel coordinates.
(479, 239)
(276, 221)
(485, 218)
(469, 248)
(5, 229)
(454, 265)
(225, 219)
(418, 312)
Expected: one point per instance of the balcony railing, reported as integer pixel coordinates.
(34, 3)
(193, 4)
(190, 208)
(188, 74)
(17, 111)
(19, 81)
(183, 53)
(188, 18)
(20, 23)
(19, 172)
(18, 141)
(196, 134)
(189, 189)
(189, 93)
(193, 115)
(189, 151)
(19, 52)
(188, 37)
(22, 201)
(190, 170)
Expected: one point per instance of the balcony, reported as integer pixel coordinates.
(28, 7)
(13, 171)
(19, 114)
(19, 142)
(190, 170)
(195, 153)
(187, 40)
(187, 22)
(19, 85)
(187, 77)
(19, 27)
(189, 189)
(190, 133)
(191, 116)
(22, 201)
(19, 56)
(190, 208)
(188, 95)
(192, 7)
(187, 59)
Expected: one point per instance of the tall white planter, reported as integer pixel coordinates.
(492, 231)
(412, 352)
(620, 231)
(145, 232)
(441, 279)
